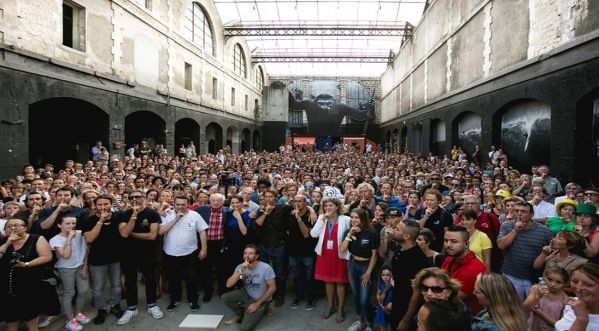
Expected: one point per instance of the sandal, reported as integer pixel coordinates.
(340, 317)
(327, 313)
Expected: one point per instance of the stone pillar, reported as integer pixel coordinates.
(276, 115)
(203, 148)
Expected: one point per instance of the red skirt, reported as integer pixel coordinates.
(329, 267)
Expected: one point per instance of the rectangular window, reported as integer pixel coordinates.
(73, 25)
(188, 75)
(232, 96)
(214, 88)
(246, 103)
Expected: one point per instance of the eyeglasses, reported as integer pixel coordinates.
(131, 197)
(434, 289)
(435, 178)
(15, 226)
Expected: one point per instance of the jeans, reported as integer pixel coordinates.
(522, 286)
(98, 274)
(302, 268)
(146, 266)
(361, 294)
(278, 255)
(238, 301)
(179, 267)
(71, 278)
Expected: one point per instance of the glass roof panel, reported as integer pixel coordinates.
(322, 12)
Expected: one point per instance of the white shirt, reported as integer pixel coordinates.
(567, 320)
(182, 239)
(78, 250)
(543, 209)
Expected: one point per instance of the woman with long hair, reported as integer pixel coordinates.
(503, 311)
(331, 262)
(436, 284)
(582, 312)
(362, 243)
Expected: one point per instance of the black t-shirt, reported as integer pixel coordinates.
(107, 248)
(364, 243)
(137, 247)
(79, 213)
(297, 245)
(273, 231)
(437, 223)
(405, 265)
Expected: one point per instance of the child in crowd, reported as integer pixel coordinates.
(384, 297)
(546, 299)
(71, 250)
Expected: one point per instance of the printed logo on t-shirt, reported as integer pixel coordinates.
(365, 242)
(145, 223)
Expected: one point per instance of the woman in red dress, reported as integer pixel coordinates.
(331, 264)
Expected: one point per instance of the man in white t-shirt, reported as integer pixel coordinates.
(180, 228)
(259, 285)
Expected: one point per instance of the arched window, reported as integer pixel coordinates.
(259, 78)
(197, 28)
(239, 61)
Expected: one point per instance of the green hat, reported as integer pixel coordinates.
(585, 208)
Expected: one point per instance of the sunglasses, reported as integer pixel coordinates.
(434, 289)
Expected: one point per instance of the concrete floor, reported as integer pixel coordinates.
(284, 318)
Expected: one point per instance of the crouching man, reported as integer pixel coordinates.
(250, 302)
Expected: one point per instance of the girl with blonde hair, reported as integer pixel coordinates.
(503, 311)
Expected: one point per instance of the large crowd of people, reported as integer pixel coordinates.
(429, 243)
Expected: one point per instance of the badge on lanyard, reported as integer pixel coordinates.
(330, 227)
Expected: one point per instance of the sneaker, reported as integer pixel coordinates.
(82, 319)
(172, 306)
(368, 328)
(294, 304)
(156, 312)
(127, 315)
(232, 320)
(117, 311)
(356, 326)
(310, 305)
(194, 306)
(100, 317)
(73, 325)
(46, 321)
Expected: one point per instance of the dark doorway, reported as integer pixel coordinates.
(256, 143)
(65, 128)
(186, 131)
(438, 132)
(144, 126)
(214, 136)
(403, 140)
(245, 140)
(587, 140)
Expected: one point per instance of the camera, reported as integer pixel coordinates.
(227, 178)
(15, 258)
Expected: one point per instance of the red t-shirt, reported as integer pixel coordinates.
(466, 270)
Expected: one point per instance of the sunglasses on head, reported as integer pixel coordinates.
(434, 289)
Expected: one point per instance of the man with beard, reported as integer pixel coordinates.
(47, 224)
(34, 202)
(462, 264)
(139, 228)
(101, 231)
(250, 301)
(272, 226)
(408, 260)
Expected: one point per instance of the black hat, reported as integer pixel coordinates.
(392, 211)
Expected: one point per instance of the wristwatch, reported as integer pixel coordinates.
(26, 264)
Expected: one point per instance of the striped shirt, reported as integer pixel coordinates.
(525, 248)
